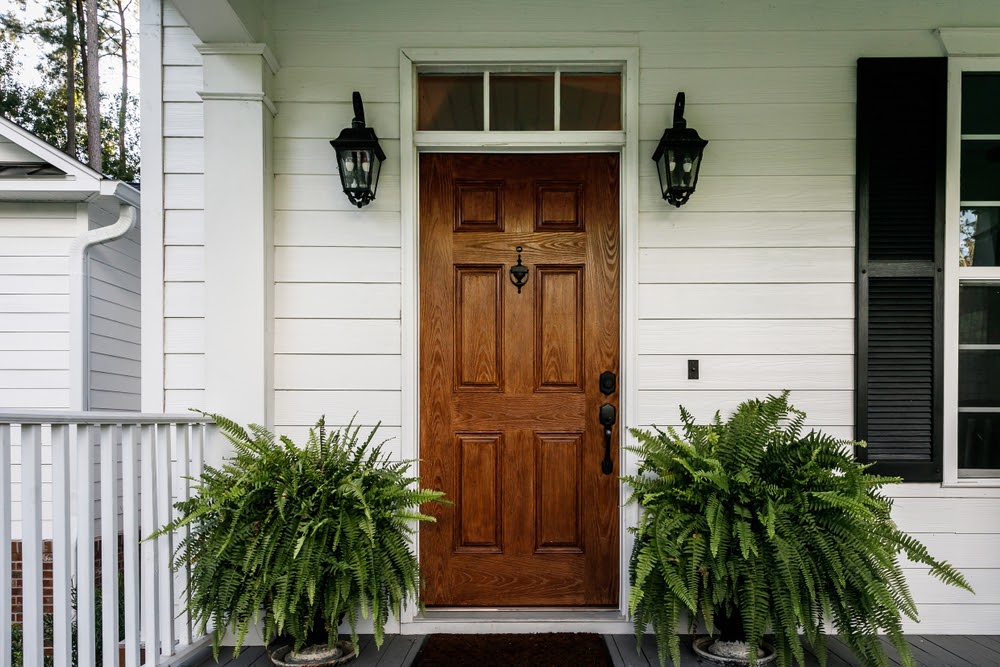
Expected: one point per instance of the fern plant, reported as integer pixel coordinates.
(306, 535)
(753, 520)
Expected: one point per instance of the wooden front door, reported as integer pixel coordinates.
(510, 390)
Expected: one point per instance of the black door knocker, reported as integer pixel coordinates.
(519, 272)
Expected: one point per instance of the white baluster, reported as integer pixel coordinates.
(84, 511)
(164, 545)
(109, 544)
(182, 451)
(5, 502)
(130, 542)
(150, 604)
(62, 546)
(31, 543)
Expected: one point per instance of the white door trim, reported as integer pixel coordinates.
(411, 143)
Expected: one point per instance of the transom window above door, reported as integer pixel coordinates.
(519, 100)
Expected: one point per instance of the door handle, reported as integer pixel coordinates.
(607, 416)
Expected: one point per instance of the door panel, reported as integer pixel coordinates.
(509, 381)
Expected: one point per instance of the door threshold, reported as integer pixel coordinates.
(511, 620)
(518, 614)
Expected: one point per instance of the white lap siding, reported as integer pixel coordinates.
(34, 303)
(34, 324)
(754, 277)
(114, 311)
(183, 217)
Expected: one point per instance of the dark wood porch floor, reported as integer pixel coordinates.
(928, 651)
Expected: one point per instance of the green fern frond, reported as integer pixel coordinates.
(756, 518)
(305, 535)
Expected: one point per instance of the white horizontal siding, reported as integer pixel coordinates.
(618, 16)
(34, 303)
(183, 215)
(754, 277)
(114, 313)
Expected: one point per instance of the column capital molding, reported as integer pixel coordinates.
(241, 49)
(209, 96)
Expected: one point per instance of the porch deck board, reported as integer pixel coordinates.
(928, 651)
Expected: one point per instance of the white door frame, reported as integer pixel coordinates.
(626, 143)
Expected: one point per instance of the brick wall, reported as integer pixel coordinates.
(16, 583)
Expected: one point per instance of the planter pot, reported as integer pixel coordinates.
(727, 653)
(313, 656)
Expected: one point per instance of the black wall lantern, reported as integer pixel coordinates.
(678, 157)
(359, 157)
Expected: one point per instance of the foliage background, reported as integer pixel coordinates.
(34, 46)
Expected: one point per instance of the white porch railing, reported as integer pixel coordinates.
(71, 477)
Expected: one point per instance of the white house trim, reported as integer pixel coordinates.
(961, 39)
(82, 176)
(239, 234)
(241, 49)
(216, 21)
(970, 41)
(151, 107)
(626, 142)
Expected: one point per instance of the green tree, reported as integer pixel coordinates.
(56, 109)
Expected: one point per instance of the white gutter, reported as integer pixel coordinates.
(79, 306)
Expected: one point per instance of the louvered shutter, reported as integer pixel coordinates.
(902, 105)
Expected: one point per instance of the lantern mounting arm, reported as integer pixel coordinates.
(359, 110)
(679, 121)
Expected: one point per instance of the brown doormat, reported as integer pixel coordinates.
(557, 649)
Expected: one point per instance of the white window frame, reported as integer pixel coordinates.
(626, 144)
(955, 275)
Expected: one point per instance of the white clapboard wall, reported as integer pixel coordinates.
(753, 277)
(113, 303)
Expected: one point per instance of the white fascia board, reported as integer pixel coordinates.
(80, 175)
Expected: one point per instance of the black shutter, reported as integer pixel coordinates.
(902, 107)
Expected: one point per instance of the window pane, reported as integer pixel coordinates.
(450, 102)
(980, 101)
(590, 102)
(979, 314)
(980, 170)
(522, 102)
(978, 371)
(979, 440)
(979, 236)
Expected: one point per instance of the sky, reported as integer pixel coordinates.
(31, 51)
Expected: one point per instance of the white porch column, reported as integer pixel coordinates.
(239, 248)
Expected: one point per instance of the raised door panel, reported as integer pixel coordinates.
(478, 326)
(558, 494)
(559, 328)
(479, 499)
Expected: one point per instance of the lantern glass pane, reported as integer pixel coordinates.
(349, 168)
(522, 102)
(590, 102)
(449, 101)
(375, 167)
(682, 168)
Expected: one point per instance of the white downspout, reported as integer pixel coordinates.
(79, 304)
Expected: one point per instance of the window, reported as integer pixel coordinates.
(978, 277)
(928, 280)
(519, 100)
